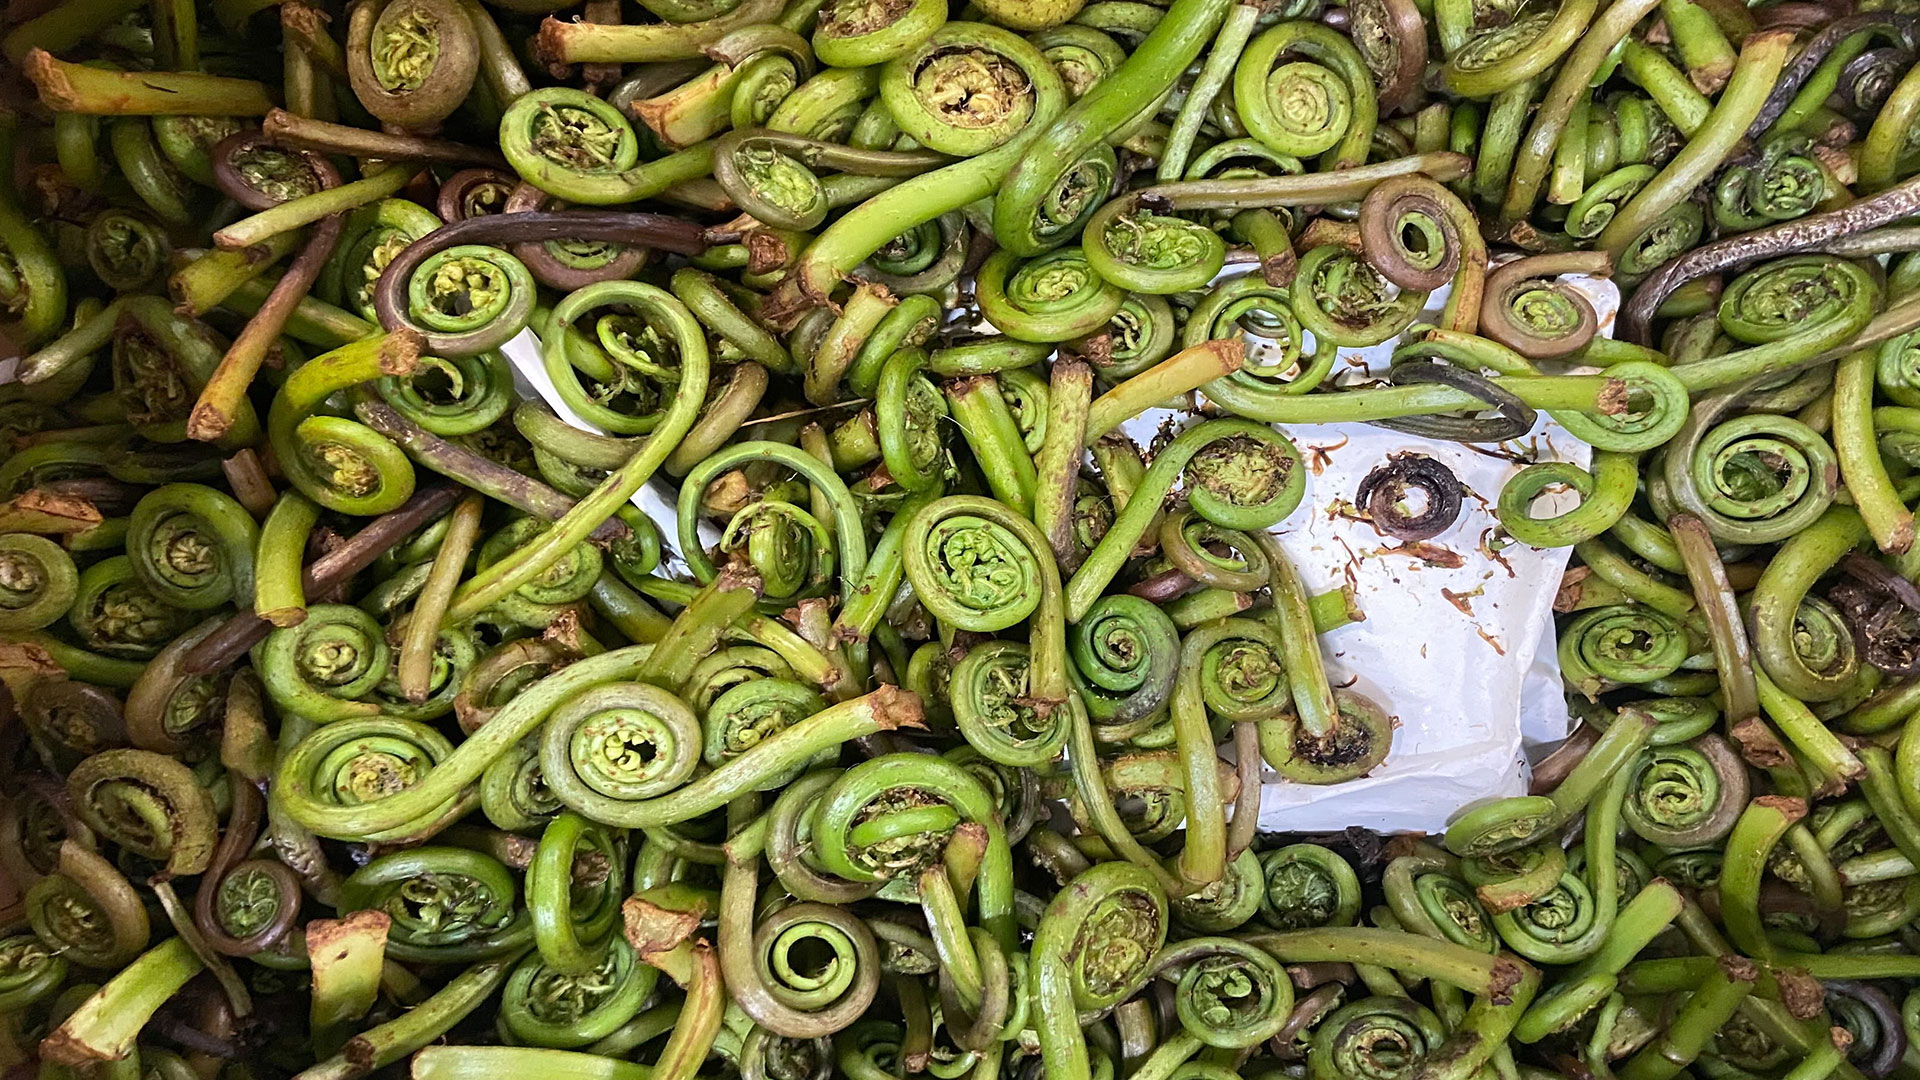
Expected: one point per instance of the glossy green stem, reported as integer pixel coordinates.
(1762, 56)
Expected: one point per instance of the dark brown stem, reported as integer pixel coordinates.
(1246, 805)
(598, 77)
(1555, 766)
(489, 477)
(225, 393)
(175, 1030)
(244, 629)
(288, 129)
(1814, 53)
(249, 480)
(555, 274)
(1320, 973)
(1165, 586)
(1810, 233)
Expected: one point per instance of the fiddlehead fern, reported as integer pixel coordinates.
(1554, 925)
(500, 676)
(373, 235)
(1786, 311)
(1784, 183)
(1226, 904)
(731, 667)
(642, 333)
(467, 299)
(69, 721)
(766, 1056)
(619, 743)
(246, 906)
(87, 911)
(1801, 641)
(789, 548)
(1606, 492)
(908, 409)
(30, 972)
(576, 147)
(567, 580)
(1621, 645)
(170, 711)
(114, 613)
(513, 790)
(822, 993)
(323, 667)
(849, 536)
(789, 851)
(1148, 791)
(1141, 251)
(545, 1006)
(978, 568)
(1509, 879)
(473, 193)
(995, 708)
(1306, 886)
(573, 890)
(1375, 1038)
(1095, 942)
(743, 716)
(770, 173)
(412, 62)
(332, 777)
(340, 464)
(148, 803)
(452, 396)
(1333, 735)
(1053, 297)
(193, 546)
(126, 251)
(1081, 55)
(1240, 475)
(1428, 896)
(38, 582)
(161, 361)
(1241, 673)
(1383, 492)
(1685, 795)
(953, 93)
(1126, 653)
(1136, 337)
(1507, 55)
(33, 822)
(1758, 478)
(1538, 318)
(1419, 234)
(1343, 300)
(1277, 364)
(869, 227)
(922, 260)
(1602, 199)
(890, 815)
(448, 905)
(1227, 994)
(1307, 106)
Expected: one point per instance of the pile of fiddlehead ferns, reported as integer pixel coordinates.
(355, 722)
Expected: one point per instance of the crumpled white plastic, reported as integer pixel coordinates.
(1461, 656)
